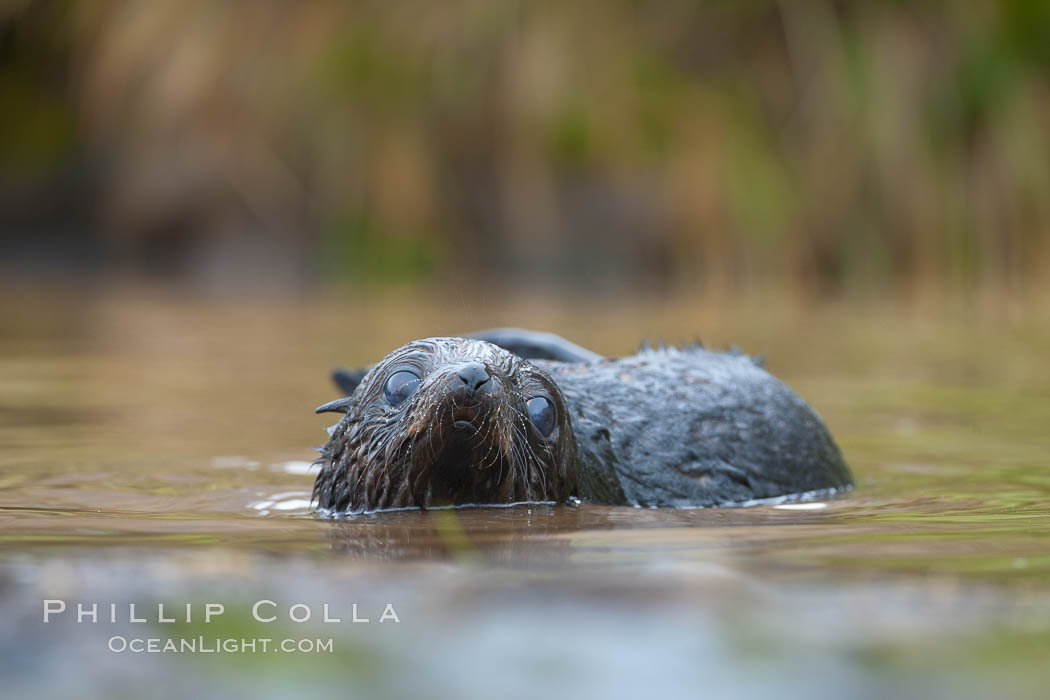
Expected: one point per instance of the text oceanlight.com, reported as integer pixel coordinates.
(204, 645)
(263, 611)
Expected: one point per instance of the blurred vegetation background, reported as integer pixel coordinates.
(824, 148)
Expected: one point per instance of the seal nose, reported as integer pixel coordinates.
(473, 375)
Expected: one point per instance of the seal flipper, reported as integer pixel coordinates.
(533, 345)
(348, 379)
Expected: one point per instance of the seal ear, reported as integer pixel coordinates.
(348, 379)
(338, 406)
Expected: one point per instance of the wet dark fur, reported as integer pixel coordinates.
(423, 452)
(666, 427)
(687, 427)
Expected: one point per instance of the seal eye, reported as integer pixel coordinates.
(399, 386)
(542, 413)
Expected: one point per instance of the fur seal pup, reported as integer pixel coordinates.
(509, 416)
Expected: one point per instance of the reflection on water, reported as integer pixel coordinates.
(159, 450)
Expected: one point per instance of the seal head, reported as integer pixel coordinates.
(448, 421)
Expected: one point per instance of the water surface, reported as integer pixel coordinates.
(156, 449)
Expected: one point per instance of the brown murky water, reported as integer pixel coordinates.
(155, 449)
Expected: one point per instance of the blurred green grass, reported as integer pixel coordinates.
(850, 147)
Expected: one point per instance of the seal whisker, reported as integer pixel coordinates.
(534, 459)
(523, 466)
